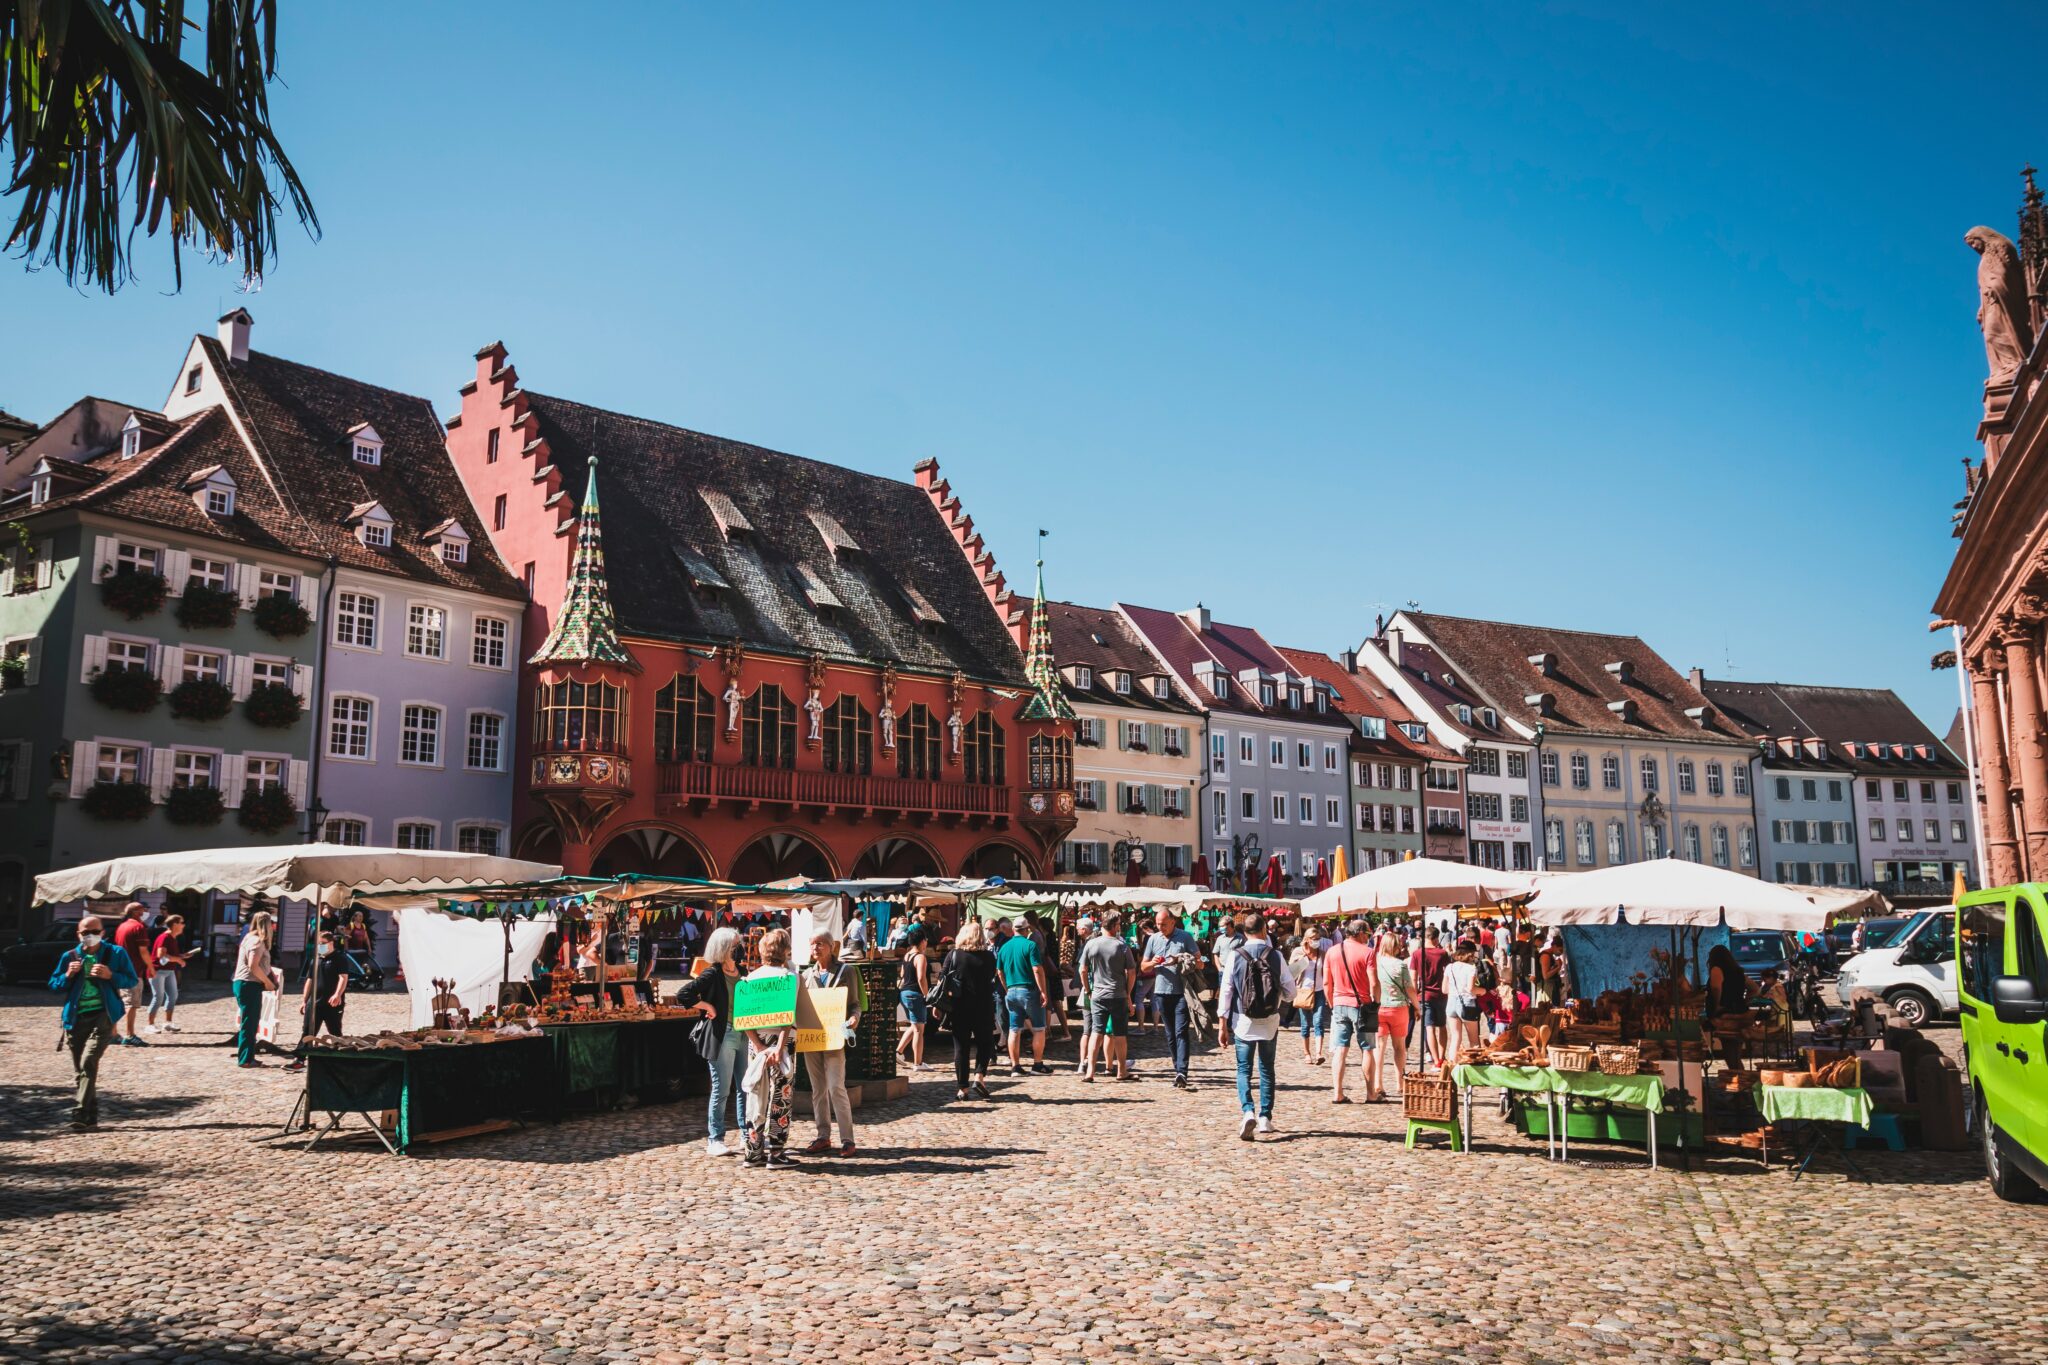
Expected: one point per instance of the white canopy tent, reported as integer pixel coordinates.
(329, 873)
(1675, 891)
(1416, 884)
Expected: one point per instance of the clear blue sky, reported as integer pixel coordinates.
(1562, 313)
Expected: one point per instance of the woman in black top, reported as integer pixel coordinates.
(971, 968)
(1727, 995)
(912, 988)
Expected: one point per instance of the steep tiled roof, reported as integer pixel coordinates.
(1360, 694)
(1492, 658)
(1103, 642)
(1232, 648)
(1840, 716)
(1426, 672)
(675, 497)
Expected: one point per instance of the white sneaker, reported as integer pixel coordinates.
(172, 1028)
(714, 1147)
(1251, 1122)
(1265, 1125)
(151, 1028)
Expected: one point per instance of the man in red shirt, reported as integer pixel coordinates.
(132, 937)
(1429, 963)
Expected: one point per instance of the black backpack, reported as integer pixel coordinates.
(1259, 994)
(1488, 977)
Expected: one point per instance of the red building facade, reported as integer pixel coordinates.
(756, 666)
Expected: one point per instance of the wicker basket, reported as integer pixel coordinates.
(1563, 1058)
(1428, 1097)
(1617, 1059)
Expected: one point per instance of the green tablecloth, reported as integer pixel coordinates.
(1782, 1102)
(1634, 1092)
(1506, 1077)
(435, 1088)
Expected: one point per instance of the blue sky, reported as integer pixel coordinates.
(1576, 314)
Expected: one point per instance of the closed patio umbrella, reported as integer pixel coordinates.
(1199, 874)
(1276, 880)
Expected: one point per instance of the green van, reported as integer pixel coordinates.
(2002, 988)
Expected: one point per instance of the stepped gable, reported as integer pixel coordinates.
(300, 420)
(712, 540)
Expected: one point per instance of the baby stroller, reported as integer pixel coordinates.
(363, 972)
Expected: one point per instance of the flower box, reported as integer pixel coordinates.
(201, 699)
(266, 810)
(273, 706)
(195, 805)
(281, 617)
(204, 607)
(134, 690)
(116, 800)
(135, 593)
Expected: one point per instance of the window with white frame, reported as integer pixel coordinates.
(269, 672)
(1482, 805)
(416, 834)
(263, 774)
(1407, 779)
(1955, 791)
(1162, 689)
(1957, 832)
(140, 558)
(1685, 781)
(1387, 818)
(1714, 788)
(1518, 809)
(1581, 773)
(1720, 844)
(1485, 761)
(1365, 816)
(1362, 773)
(1248, 803)
(1084, 678)
(355, 620)
(1307, 810)
(419, 735)
(426, 631)
(1746, 843)
(1329, 758)
(189, 769)
(367, 448)
(477, 839)
(1610, 772)
(1304, 755)
(1123, 683)
(348, 727)
(1690, 849)
(1280, 808)
(1247, 749)
(119, 763)
(1742, 782)
(345, 829)
(275, 583)
(1927, 792)
(1553, 840)
(1877, 828)
(1582, 838)
(376, 533)
(210, 573)
(1932, 831)
(1518, 764)
(133, 654)
(1617, 842)
(1546, 768)
(1265, 694)
(1386, 774)
(454, 551)
(486, 741)
(1648, 771)
(1898, 791)
(1905, 830)
(1276, 753)
(203, 665)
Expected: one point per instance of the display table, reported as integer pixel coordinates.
(433, 1090)
(599, 1065)
(1816, 1107)
(1643, 1092)
(1534, 1080)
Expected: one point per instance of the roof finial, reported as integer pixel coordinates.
(585, 631)
(1047, 701)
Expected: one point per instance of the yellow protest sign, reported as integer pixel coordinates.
(821, 1019)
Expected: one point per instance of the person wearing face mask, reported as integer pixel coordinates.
(327, 987)
(92, 977)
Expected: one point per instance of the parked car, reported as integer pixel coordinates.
(1915, 975)
(29, 962)
(1999, 964)
(1763, 951)
(1878, 932)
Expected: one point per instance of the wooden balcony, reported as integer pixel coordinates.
(706, 785)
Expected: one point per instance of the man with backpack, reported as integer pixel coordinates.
(1249, 1015)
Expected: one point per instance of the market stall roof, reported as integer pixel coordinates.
(1842, 901)
(328, 872)
(895, 888)
(1678, 892)
(1418, 883)
(1023, 897)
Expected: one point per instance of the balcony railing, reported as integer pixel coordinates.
(710, 781)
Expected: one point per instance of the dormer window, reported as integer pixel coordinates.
(1084, 678)
(1463, 712)
(1220, 685)
(1162, 689)
(1294, 699)
(450, 541)
(131, 438)
(1372, 727)
(39, 490)
(213, 489)
(372, 524)
(365, 445)
(1489, 717)
(1122, 682)
(455, 551)
(1265, 694)
(377, 534)
(220, 502)
(1322, 702)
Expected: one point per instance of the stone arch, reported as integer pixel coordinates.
(898, 855)
(999, 858)
(540, 842)
(657, 850)
(781, 853)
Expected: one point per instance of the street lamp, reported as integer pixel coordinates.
(316, 819)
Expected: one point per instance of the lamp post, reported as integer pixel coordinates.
(316, 819)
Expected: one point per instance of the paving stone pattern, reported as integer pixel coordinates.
(1061, 1222)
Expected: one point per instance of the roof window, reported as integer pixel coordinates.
(365, 446)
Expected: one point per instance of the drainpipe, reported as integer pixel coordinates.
(328, 579)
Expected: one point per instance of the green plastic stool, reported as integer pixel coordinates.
(1440, 1125)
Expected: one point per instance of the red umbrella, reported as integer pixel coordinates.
(1276, 880)
(1199, 874)
(1322, 874)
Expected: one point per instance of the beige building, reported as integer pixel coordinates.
(1632, 762)
(1137, 754)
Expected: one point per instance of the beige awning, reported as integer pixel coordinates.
(326, 872)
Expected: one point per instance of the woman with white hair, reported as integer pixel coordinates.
(710, 994)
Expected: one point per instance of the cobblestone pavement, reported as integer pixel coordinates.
(1060, 1222)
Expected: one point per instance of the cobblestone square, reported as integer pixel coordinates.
(1061, 1222)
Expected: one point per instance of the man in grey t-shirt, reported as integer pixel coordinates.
(1168, 946)
(1110, 970)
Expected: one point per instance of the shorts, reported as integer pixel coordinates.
(1347, 1022)
(1452, 1011)
(913, 1006)
(1433, 1013)
(1110, 1018)
(1394, 1021)
(1025, 1009)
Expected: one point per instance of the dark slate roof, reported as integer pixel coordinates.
(1102, 641)
(666, 492)
(1491, 658)
(1361, 694)
(300, 419)
(1842, 716)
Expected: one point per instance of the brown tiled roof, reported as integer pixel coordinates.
(1425, 671)
(1840, 716)
(671, 494)
(1360, 694)
(1233, 648)
(1103, 642)
(1491, 659)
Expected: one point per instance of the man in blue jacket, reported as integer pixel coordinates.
(92, 976)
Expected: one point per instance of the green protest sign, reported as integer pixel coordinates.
(769, 1002)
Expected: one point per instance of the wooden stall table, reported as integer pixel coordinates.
(1817, 1107)
(437, 1090)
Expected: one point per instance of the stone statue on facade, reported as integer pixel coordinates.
(2002, 310)
(814, 700)
(887, 715)
(954, 725)
(732, 701)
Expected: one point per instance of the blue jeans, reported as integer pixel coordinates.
(1316, 1018)
(724, 1068)
(1173, 1009)
(1025, 1009)
(1265, 1049)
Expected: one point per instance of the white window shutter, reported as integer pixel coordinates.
(170, 662)
(7, 574)
(161, 765)
(85, 762)
(45, 551)
(177, 569)
(241, 669)
(35, 662)
(24, 754)
(302, 684)
(104, 548)
(246, 577)
(309, 595)
(92, 658)
(233, 770)
(295, 780)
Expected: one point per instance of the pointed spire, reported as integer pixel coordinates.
(585, 632)
(1047, 702)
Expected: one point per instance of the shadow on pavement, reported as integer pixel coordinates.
(31, 1190)
(136, 1338)
(31, 1112)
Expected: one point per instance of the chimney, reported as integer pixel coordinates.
(1349, 660)
(1394, 645)
(234, 335)
(1198, 619)
(1697, 677)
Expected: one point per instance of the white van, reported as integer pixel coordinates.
(1916, 976)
